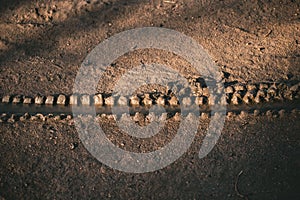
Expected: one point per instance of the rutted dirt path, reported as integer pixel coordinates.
(42, 45)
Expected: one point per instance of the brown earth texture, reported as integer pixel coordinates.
(42, 46)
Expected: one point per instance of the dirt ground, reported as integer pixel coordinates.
(42, 45)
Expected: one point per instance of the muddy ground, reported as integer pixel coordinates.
(42, 45)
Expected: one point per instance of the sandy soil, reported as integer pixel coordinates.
(42, 45)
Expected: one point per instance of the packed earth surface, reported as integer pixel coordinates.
(43, 45)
